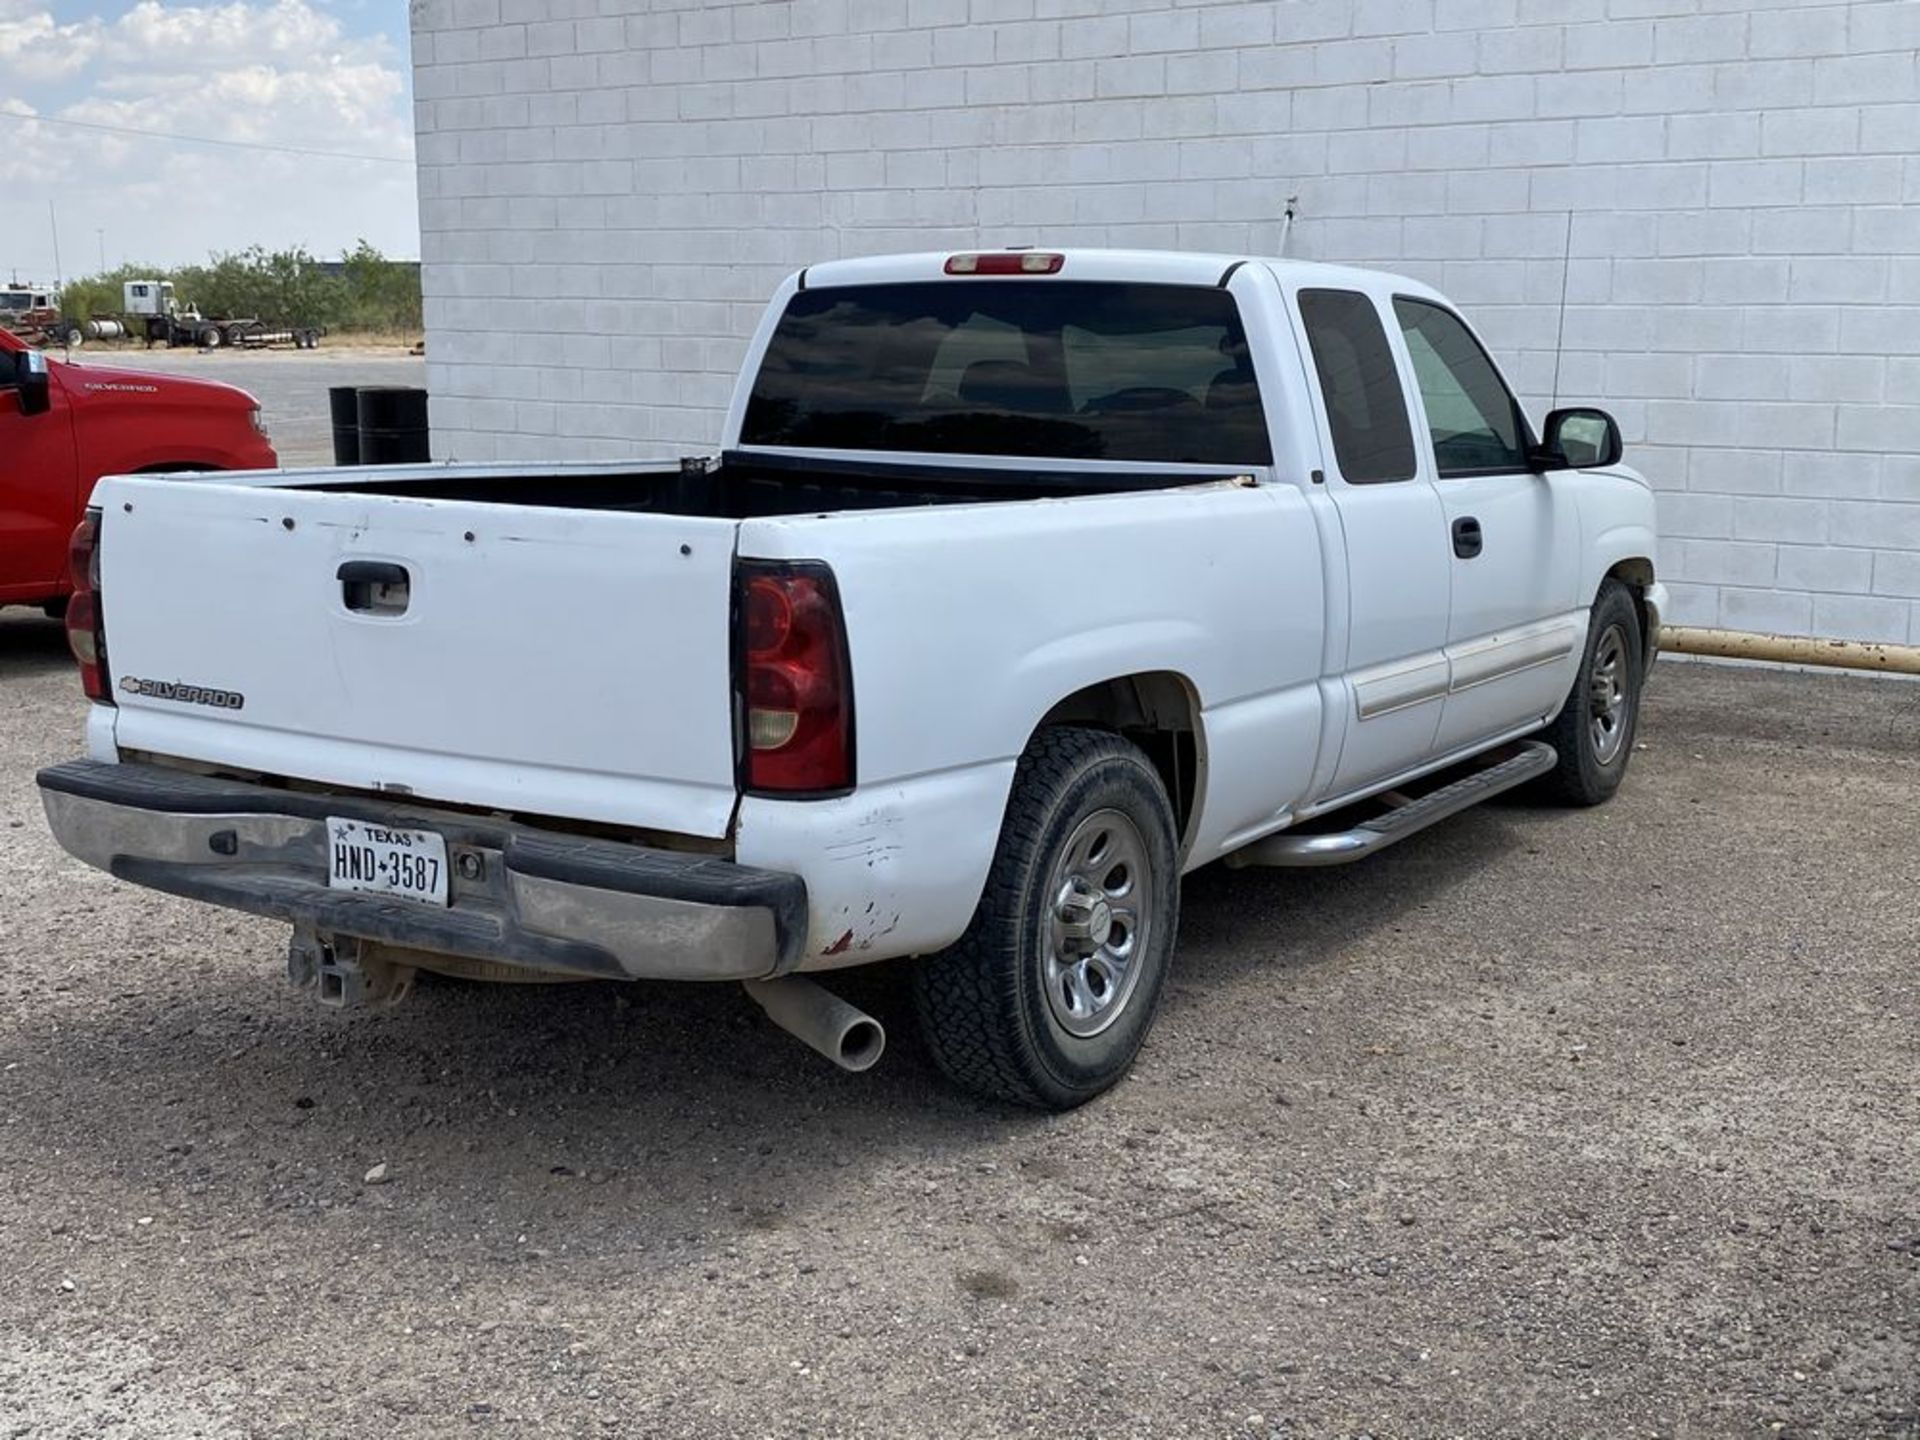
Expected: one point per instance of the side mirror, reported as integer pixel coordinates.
(1579, 439)
(36, 385)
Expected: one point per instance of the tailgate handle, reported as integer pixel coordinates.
(374, 587)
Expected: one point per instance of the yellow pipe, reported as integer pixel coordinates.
(1790, 649)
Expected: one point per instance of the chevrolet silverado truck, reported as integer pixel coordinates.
(1022, 584)
(63, 426)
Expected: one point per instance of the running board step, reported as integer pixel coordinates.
(1342, 847)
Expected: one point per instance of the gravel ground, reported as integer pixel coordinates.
(291, 385)
(1540, 1124)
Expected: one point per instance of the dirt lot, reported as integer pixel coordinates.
(1541, 1124)
(291, 385)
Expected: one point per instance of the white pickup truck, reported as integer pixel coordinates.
(1024, 583)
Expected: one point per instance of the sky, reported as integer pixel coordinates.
(313, 75)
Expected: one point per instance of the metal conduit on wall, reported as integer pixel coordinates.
(1790, 649)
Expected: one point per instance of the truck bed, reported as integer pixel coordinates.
(753, 487)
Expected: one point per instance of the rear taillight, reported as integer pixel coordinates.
(796, 686)
(86, 621)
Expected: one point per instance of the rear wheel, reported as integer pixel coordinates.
(1594, 731)
(1048, 996)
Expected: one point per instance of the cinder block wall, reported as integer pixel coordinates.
(607, 196)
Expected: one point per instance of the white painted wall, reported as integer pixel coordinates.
(606, 197)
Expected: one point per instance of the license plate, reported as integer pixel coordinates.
(384, 861)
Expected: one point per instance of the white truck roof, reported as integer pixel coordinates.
(1164, 267)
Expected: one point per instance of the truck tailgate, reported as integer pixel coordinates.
(549, 661)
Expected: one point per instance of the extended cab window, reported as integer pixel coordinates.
(1366, 409)
(1476, 423)
(1064, 369)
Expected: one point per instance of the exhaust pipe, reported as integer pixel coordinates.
(851, 1038)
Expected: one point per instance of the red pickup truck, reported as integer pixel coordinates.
(63, 426)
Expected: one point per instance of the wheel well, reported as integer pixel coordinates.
(1636, 574)
(1156, 710)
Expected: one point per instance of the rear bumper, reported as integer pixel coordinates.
(519, 896)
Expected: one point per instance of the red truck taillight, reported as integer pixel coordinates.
(794, 679)
(86, 622)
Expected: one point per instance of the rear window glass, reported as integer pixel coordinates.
(1067, 369)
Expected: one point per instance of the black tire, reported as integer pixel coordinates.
(1591, 768)
(210, 337)
(984, 1004)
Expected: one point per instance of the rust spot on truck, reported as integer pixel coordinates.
(867, 930)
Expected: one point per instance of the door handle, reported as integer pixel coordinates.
(1466, 537)
(374, 587)
(371, 572)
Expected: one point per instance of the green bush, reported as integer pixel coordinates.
(377, 293)
(282, 287)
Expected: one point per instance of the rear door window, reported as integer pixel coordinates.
(1064, 369)
(1366, 408)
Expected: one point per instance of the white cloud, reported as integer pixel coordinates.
(268, 73)
(32, 43)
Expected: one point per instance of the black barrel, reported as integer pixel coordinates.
(344, 404)
(393, 425)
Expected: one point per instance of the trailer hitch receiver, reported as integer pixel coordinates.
(344, 972)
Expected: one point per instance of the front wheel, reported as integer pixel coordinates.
(1047, 997)
(1594, 731)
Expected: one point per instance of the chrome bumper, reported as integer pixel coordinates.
(519, 896)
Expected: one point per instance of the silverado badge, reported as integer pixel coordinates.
(186, 694)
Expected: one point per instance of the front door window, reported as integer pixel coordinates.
(1476, 424)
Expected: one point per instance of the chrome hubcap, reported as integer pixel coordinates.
(1098, 922)
(1607, 695)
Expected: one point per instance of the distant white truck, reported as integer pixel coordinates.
(149, 309)
(1024, 583)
